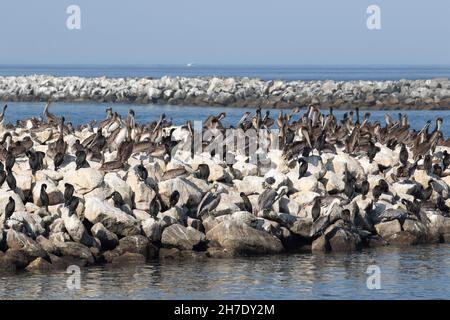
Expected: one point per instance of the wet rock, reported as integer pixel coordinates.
(18, 257)
(19, 241)
(342, 240)
(320, 245)
(387, 229)
(134, 244)
(39, 265)
(129, 258)
(76, 251)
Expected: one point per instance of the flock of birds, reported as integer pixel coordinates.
(312, 133)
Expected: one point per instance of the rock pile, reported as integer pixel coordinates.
(238, 92)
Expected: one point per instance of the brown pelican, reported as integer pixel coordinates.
(269, 196)
(209, 202)
(51, 118)
(2, 115)
(110, 165)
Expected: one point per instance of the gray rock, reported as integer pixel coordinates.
(112, 218)
(107, 239)
(19, 241)
(181, 237)
(241, 239)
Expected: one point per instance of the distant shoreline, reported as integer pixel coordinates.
(231, 92)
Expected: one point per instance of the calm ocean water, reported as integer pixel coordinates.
(421, 272)
(295, 72)
(80, 113)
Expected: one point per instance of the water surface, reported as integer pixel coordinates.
(421, 272)
(264, 72)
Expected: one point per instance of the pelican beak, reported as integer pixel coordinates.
(306, 135)
(425, 127)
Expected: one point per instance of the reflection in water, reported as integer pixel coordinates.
(413, 272)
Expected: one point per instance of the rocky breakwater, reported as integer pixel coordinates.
(124, 200)
(238, 92)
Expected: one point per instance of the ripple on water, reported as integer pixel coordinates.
(421, 272)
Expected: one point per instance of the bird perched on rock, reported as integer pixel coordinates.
(11, 181)
(68, 193)
(403, 155)
(43, 196)
(302, 168)
(174, 198)
(202, 172)
(209, 202)
(155, 207)
(247, 204)
(315, 210)
(10, 208)
(117, 198)
(142, 171)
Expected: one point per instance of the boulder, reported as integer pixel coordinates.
(190, 194)
(183, 238)
(129, 258)
(320, 245)
(142, 193)
(76, 230)
(241, 239)
(250, 184)
(108, 239)
(116, 183)
(39, 265)
(112, 218)
(134, 244)
(84, 180)
(76, 251)
(389, 228)
(19, 241)
(55, 196)
(152, 229)
(342, 240)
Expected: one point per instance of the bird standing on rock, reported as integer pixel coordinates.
(142, 172)
(302, 168)
(43, 196)
(10, 208)
(174, 198)
(403, 155)
(202, 172)
(68, 193)
(2, 177)
(117, 198)
(247, 204)
(11, 181)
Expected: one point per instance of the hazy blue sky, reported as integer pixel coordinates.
(225, 32)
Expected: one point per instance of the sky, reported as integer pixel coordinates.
(252, 32)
